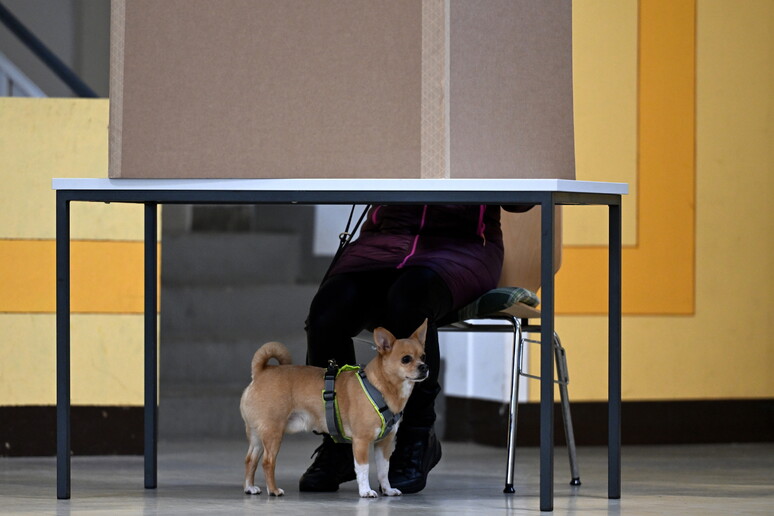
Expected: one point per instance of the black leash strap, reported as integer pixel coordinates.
(345, 237)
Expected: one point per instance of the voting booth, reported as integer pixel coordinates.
(341, 89)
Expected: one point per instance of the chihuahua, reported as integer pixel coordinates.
(286, 398)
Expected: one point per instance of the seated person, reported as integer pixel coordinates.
(409, 263)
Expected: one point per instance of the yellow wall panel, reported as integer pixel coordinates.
(107, 359)
(663, 259)
(41, 139)
(670, 358)
(45, 138)
(605, 110)
(724, 347)
(27, 359)
(106, 277)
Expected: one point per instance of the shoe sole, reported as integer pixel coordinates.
(306, 488)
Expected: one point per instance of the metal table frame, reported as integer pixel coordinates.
(543, 192)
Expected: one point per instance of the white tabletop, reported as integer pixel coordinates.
(346, 185)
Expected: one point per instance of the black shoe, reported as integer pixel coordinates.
(333, 465)
(417, 451)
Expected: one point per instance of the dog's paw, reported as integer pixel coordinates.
(391, 492)
(252, 490)
(368, 493)
(277, 492)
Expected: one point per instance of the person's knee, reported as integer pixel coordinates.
(325, 322)
(419, 294)
(404, 315)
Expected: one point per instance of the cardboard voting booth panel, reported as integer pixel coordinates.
(341, 88)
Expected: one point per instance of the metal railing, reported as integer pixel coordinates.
(13, 82)
(52, 62)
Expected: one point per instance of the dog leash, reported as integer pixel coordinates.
(345, 237)
(332, 415)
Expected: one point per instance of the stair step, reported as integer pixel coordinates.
(206, 410)
(230, 258)
(207, 361)
(256, 313)
(244, 276)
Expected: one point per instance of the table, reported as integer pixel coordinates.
(151, 192)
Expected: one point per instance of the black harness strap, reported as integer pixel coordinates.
(332, 419)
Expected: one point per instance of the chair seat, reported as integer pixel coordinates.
(520, 311)
(514, 301)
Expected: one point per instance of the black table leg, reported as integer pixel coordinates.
(151, 351)
(614, 355)
(547, 356)
(62, 347)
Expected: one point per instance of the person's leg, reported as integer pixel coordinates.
(417, 293)
(398, 300)
(338, 312)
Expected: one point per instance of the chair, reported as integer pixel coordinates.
(517, 305)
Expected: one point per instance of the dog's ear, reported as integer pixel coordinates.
(421, 333)
(383, 340)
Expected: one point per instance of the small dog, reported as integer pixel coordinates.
(287, 398)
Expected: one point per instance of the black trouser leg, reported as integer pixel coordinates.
(399, 300)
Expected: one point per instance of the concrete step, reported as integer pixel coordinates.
(254, 313)
(197, 361)
(206, 410)
(230, 258)
(232, 279)
(219, 361)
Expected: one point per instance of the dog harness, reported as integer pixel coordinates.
(333, 417)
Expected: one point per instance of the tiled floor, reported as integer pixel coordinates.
(205, 477)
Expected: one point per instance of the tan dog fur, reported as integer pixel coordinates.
(287, 398)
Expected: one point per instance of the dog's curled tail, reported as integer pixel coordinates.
(275, 350)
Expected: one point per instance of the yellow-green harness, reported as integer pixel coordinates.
(333, 417)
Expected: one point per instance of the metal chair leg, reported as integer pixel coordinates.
(518, 344)
(564, 378)
(517, 371)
